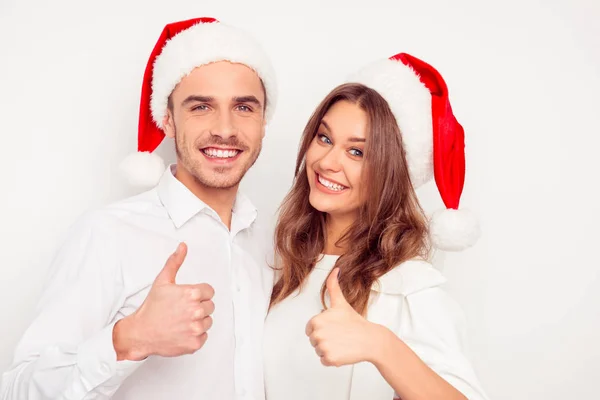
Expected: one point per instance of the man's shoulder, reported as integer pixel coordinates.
(147, 202)
(124, 211)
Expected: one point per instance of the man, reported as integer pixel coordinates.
(114, 319)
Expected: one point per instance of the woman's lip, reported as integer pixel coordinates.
(330, 180)
(325, 189)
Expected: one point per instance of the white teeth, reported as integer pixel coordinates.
(220, 153)
(331, 185)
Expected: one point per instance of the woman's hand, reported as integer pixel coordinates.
(340, 335)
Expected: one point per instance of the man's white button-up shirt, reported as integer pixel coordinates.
(103, 272)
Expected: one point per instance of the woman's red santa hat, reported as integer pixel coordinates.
(182, 47)
(433, 140)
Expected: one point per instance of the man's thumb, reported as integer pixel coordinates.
(169, 271)
(335, 291)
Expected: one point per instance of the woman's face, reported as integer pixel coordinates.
(334, 160)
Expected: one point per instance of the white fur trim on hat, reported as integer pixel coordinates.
(143, 169)
(410, 102)
(202, 44)
(454, 230)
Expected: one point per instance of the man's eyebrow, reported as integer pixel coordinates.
(197, 99)
(247, 99)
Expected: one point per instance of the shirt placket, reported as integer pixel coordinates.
(242, 327)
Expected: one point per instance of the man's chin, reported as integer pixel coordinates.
(223, 185)
(222, 181)
(221, 176)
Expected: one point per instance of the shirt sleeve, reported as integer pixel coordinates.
(67, 352)
(433, 326)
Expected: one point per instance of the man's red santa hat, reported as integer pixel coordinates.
(181, 47)
(433, 139)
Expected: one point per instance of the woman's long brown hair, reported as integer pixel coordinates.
(391, 227)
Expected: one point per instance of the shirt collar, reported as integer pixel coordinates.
(181, 204)
(244, 213)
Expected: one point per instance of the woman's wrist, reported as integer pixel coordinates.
(382, 343)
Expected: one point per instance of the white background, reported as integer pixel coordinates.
(524, 80)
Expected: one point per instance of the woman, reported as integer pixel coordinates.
(354, 289)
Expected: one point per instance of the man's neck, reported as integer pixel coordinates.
(335, 228)
(220, 200)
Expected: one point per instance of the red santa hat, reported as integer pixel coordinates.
(181, 47)
(433, 140)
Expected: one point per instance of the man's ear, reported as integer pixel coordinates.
(264, 128)
(169, 125)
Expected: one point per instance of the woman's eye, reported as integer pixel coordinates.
(356, 152)
(323, 138)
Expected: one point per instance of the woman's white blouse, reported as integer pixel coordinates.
(408, 300)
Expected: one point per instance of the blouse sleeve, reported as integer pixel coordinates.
(433, 326)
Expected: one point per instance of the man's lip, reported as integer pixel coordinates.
(220, 148)
(224, 160)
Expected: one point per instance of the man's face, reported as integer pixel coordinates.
(217, 120)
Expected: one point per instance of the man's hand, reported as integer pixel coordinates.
(172, 321)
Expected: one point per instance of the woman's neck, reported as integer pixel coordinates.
(335, 228)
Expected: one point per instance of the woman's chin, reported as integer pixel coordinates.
(319, 204)
(318, 207)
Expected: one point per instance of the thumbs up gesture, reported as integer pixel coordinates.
(173, 319)
(339, 334)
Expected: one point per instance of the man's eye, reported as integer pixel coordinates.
(200, 107)
(244, 108)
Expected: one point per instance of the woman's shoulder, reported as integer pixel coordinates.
(410, 277)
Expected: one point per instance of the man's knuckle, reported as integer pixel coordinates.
(196, 328)
(199, 313)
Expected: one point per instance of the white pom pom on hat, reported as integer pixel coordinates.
(454, 230)
(182, 47)
(143, 168)
(432, 138)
